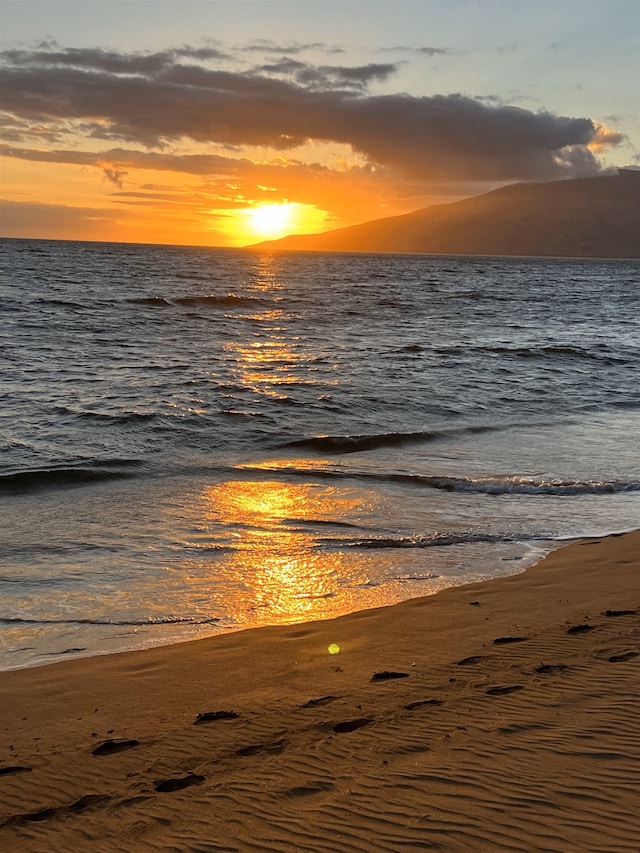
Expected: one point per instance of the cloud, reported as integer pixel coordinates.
(353, 193)
(425, 51)
(155, 100)
(57, 221)
(266, 46)
(327, 77)
(115, 176)
(96, 59)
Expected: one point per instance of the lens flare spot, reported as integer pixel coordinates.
(334, 649)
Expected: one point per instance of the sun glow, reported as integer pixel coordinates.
(271, 220)
(274, 220)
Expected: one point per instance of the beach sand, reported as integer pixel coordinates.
(501, 716)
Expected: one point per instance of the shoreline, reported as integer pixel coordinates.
(502, 717)
(78, 645)
(194, 632)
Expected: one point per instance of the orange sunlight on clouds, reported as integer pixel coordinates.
(231, 144)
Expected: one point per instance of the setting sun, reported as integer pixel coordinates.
(271, 220)
(275, 220)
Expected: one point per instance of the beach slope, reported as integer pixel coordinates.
(500, 716)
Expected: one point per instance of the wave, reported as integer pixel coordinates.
(319, 522)
(498, 485)
(335, 444)
(72, 475)
(122, 418)
(545, 351)
(229, 299)
(62, 303)
(528, 486)
(150, 620)
(226, 301)
(157, 301)
(436, 540)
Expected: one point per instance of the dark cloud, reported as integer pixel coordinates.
(115, 176)
(119, 160)
(155, 100)
(328, 77)
(266, 46)
(90, 59)
(435, 51)
(203, 54)
(95, 59)
(14, 129)
(425, 51)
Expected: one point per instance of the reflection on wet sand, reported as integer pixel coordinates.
(281, 562)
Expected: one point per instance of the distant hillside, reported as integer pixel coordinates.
(586, 218)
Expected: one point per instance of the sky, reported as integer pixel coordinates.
(227, 122)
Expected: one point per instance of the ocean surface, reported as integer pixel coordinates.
(194, 441)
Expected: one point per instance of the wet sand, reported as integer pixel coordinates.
(500, 716)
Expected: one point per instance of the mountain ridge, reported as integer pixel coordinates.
(596, 217)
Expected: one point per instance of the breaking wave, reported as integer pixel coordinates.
(498, 485)
(529, 486)
(41, 478)
(335, 444)
(151, 620)
(436, 540)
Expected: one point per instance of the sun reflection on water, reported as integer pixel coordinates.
(263, 364)
(281, 563)
(270, 359)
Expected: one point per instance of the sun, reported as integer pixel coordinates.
(271, 220)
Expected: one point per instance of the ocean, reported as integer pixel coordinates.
(200, 440)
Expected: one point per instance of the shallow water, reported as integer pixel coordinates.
(198, 440)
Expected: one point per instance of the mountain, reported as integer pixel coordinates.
(584, 217)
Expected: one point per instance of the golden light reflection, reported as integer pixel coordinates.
(265, 364)
(272, 355)
(276, 555)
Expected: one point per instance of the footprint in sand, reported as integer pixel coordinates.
(623, 657)
(351, 725)
(502, 691)
(547, 668)
(412, 706)
(165, 786)
(309, 790)
(317, 703)
(109, 747)
(212, 716)
(14, 768)
(84, 803)
(385, 675)
(503, 641)
(258, 748)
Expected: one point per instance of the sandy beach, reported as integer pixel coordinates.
(500, 716)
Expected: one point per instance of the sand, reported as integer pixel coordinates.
(501, 716)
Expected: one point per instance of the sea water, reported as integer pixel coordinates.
(201, 440)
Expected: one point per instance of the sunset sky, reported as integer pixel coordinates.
(226, 123)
